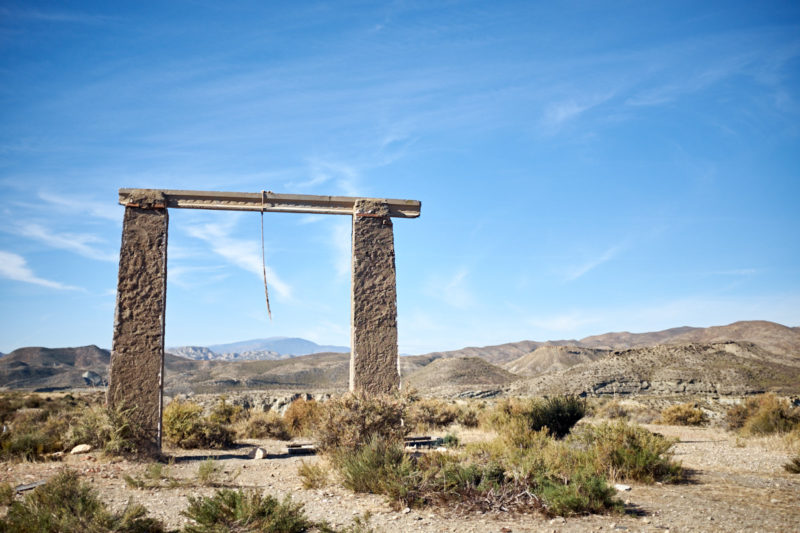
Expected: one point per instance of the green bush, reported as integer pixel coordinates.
(351, 421)
(379, 467)
(685, 414)
(764, 414)
(238, 511)
(66, 504)
(185, 426)
(581, 494)
(630, 452)
(517, 418)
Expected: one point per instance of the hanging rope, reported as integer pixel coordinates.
(263, 256)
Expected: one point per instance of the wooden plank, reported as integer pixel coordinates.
(270, 202)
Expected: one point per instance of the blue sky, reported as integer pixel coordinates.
(583, 167)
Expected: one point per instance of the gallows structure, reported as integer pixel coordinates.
(137, 352)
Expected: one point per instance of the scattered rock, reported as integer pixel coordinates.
(81, 448)
(621, 487)
(259, 453)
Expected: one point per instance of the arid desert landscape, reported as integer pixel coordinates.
(691, 429)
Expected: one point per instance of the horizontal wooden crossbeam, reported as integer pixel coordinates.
(267, 201)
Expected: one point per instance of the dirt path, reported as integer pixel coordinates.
(734, 488)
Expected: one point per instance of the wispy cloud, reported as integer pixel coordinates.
(453, 290)
(186, 277)
(78, 243)
(344, 176)
(245, 254)
(81, 204)
(14, 267)
(576, 272)
(557, 114)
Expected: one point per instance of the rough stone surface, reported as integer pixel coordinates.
(81, 448)
(373, 360)
(137, 352)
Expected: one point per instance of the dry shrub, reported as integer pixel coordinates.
(65, 503)
(764, 414)
(611, 410)
(264, 425)
(225, 413)
(350, 421)
(238, 511)
(185, 426)
(468, 416)
(301, 416)
(558, 414)
(793, 466)
(428, 414)
(685, 414)
(629, 452)
(312, 475)
(33, 433)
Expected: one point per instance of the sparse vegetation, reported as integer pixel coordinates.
(240, 511)
(185, 426)
(155, 475)
(262, 425)
(526, 467)
(685, 414)
(764, 414)
(66, 504)
(208, 472)
(312, 475)
(793, 465)
(36, 428)
(301, 416)
(351, 421)
(558, 414)
(426, 414)
(629, 452)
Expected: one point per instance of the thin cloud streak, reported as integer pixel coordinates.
(14, 267)
(244, 254)
(81, 204)
(77, 243)
(606, 256)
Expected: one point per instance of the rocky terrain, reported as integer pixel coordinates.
(721, 368)
(255, 350)
(734, 486)
(741, 358)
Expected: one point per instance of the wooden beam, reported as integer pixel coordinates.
(281, 203)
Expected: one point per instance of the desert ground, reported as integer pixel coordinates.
(734, 484)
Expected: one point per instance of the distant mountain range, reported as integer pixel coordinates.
(740, 358)
(269, 349)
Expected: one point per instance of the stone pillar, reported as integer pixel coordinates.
(137, 351)
(373, 319)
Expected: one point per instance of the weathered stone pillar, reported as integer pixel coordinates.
(137, 351)
(373, 321)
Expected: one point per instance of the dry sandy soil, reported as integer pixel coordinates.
(737, 485)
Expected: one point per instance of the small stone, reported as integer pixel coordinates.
(621, 487)
(259, 453)
(406, 510)
(81, 448)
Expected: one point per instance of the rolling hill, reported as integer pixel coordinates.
(738, 358)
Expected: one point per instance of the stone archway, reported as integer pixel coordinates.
(137, 352)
